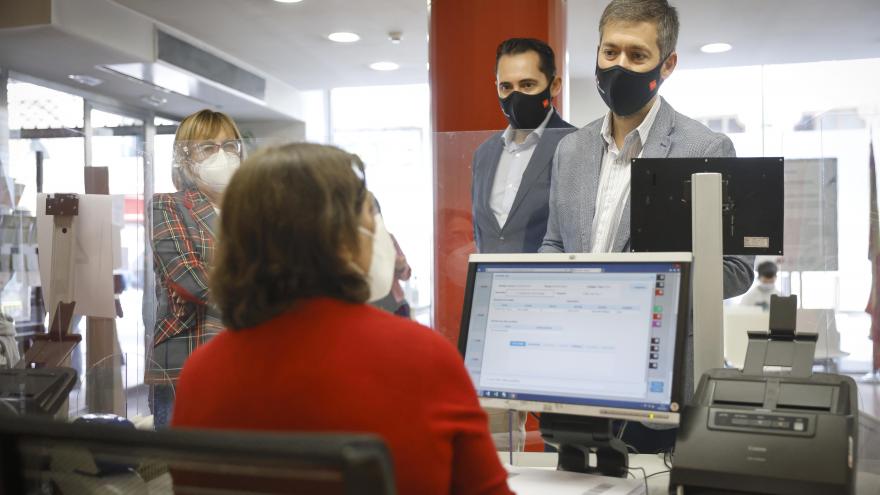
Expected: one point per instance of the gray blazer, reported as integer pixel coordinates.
(575, 185)
(527, 222)
(576, 168)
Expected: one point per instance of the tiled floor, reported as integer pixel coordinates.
(853, 328)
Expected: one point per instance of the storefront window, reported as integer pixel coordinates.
(49, 150)
(46, 153)
(823, 131)
(395, 146)
(117, 144)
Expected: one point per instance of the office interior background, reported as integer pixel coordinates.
(104, 82)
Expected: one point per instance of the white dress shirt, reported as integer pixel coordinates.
(614, 179)
(511, 167)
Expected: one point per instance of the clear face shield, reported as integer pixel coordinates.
(206, 165)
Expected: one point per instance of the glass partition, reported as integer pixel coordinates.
(46, 153)
(826, 223)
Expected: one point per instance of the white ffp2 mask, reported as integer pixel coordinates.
(380, 276)
(215, 171)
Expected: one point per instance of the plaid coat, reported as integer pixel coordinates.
(183, 248)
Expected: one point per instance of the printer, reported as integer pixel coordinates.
(772, 428)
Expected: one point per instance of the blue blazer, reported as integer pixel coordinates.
(527, 222)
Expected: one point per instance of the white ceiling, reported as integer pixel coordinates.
(761, 31)
(289, 41)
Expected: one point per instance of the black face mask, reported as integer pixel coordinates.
(626, 92)
(526, 111)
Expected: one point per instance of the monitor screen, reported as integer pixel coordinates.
(595, 335)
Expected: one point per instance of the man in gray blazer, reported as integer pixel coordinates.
(511, 170)
(590, 191)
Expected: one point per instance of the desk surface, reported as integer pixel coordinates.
(658, 484)
(655, 469)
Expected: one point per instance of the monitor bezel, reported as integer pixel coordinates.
(670, 417)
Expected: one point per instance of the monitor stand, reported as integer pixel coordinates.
(576, 437)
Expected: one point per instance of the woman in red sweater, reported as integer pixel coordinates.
(300, 251)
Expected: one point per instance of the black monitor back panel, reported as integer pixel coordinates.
(753, 197)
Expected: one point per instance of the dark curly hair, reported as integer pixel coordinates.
(288, 214)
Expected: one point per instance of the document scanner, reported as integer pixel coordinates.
(768, 431)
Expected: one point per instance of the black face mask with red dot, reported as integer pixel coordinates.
(526, 111)
(625, 91)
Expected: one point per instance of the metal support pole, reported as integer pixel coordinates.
(708, 288)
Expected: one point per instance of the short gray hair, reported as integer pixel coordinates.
(657, 11)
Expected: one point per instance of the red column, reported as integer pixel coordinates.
(463, 37)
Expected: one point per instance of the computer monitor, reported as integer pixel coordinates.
(597, 335)
(752, 195)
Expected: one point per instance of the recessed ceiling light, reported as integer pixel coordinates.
(85, 80)
(343, 37)
(716, 48)
(288, 1)
(384, 66)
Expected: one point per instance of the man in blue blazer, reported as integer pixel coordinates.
(511, 170)
(511, 182)
(590, 193)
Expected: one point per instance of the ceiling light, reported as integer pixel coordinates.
(384, 66)
(85, 80)
(288, 1)
(716, 48)
(343, 37)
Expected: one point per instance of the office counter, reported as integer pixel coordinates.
(658, 474)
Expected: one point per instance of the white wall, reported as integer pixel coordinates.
(585, 105)
(316, 113)
(273, 132)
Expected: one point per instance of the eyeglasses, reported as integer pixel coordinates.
(208, 148)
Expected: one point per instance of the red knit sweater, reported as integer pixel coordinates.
(330, 366)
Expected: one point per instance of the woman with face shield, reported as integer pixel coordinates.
(301, 251)
(208, 150)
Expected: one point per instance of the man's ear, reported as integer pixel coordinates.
(556, 87)
(669, 65)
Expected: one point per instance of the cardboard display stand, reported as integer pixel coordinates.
(53, 349)
(90, 294)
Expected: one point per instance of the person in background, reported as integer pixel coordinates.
(208, 150)
(759, 294)
(395, 301)
(304, 353)
(402, 272)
